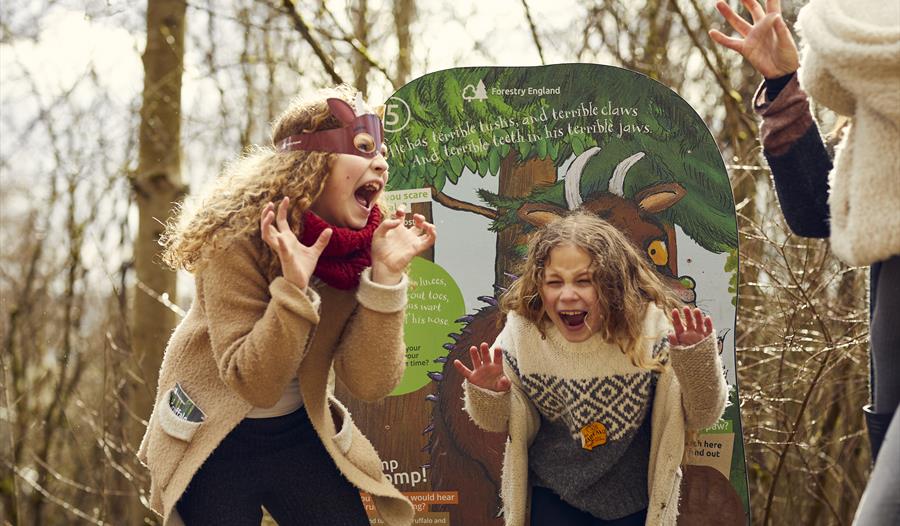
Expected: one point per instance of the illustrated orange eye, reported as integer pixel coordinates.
(364, 143)
(658, 252)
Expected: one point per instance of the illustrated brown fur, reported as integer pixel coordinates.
(463, 457)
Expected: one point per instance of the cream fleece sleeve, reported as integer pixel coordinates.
(258, 331)
(822, 86)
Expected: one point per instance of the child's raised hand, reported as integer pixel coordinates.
(485, 373)
(298, 261)
(695, 328)
(767, 43)
(394, 245)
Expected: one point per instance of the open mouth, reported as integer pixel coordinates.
(365, 194)
(573, 319)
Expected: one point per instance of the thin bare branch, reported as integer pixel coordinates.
(300, 25)
(534, 33)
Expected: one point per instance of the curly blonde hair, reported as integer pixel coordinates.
(624, 281)
(231, 207)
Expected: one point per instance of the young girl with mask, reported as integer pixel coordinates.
(298, 277)
(597, 388)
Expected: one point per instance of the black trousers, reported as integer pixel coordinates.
(884, 335)
(548, 509)
(279, 463)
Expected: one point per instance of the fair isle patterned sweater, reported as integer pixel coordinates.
(580, 421)
(579, 388)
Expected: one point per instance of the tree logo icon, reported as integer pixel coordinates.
(472, 92)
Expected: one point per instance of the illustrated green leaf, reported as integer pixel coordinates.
(524, 149)
(456, 166)
(470, 164)
(494, 161)
(577, 144)
(484, 166)
(554, 150)
(431, 170)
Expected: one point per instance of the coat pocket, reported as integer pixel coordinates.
(168, 441)
(343, 439)
(352, 443)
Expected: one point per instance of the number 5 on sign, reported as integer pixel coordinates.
(396, 115)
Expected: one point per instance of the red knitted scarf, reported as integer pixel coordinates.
(348, 252)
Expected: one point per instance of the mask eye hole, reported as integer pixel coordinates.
(384, 151)
(658, 252)
(364, 143)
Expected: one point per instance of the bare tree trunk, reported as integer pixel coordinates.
(360, 15)
(654, 52)
(69, 366)
(249, 57)
(404, 14)
(14, 371)
(157, 185)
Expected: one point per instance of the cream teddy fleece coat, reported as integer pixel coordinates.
(851, 64)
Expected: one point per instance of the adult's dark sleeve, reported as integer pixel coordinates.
(797, 156)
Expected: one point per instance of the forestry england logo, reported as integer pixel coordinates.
(473, 92)
(479, 92)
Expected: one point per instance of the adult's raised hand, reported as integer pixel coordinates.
(766, 42)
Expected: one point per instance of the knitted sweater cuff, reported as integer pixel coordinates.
(699, 372)
(696, 358)
(785, 119)
(386, 299)
(489, 409)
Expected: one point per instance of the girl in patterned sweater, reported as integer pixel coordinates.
(595, 385)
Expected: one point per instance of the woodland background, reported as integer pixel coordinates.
(110, 111)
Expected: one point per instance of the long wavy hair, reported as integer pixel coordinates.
(231, 207)
(624, 281)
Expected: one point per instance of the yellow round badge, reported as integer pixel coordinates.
(593, 435)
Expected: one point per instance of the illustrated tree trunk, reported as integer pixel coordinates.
(517, 180)
(157, 185)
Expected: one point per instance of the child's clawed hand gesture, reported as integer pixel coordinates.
(298, 261)
(394, 245)
(695, 328)
(486, 373)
